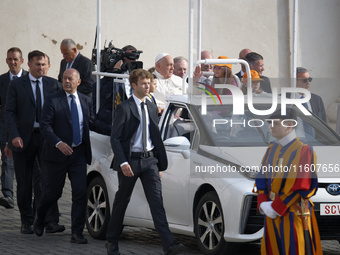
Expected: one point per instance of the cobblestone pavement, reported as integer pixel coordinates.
(134, 240)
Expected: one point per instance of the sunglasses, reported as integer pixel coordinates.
(305, 80)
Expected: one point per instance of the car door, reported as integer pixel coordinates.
(177, 130)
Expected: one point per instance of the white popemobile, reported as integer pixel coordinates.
(213, 159)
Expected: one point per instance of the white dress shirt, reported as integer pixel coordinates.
(80, 112)
(17, 75)
(34, 88)
(138, 143)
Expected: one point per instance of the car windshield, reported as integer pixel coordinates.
(229, 130)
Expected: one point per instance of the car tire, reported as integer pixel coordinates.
(209, 227)
(97, 208)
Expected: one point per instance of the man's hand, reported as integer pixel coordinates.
(65, 149)
(17, 142)
(127, 171)
(118, 65)
(8, 152)
(267, 209)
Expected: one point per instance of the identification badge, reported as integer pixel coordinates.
(272, 196)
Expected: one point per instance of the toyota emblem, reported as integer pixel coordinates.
(333, 189)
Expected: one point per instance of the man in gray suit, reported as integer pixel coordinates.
(14, 61)
(25, 98)
(73, 58)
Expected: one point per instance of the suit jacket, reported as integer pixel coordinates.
(20, 107)
(4, 83)
(111, 94)
(265, 84)
(56, 125)
(85, 68)
(317, 105)
(239, 75)
(125, 124)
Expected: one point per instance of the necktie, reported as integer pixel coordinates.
(68, 65)
(75, 121)
(144, 135)
(14, 77)
(304, 104)
(37, 101)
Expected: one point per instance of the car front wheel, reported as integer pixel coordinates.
(209, 226)
(97, 208)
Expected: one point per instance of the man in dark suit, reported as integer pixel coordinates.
(111, 94)
(138, 153)
(25, 98)
(14, 61)
(73, 58)
(315, 104)
(65, 124)
(256, 63)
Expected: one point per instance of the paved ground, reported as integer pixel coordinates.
(139, 241)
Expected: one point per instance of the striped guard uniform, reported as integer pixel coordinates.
(285, 186)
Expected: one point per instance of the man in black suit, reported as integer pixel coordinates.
(14, 61)
(112, 93)
(25, 98)
(256, 63)
(138, 153)
(315, 104)
(73, 58)
(65, 124)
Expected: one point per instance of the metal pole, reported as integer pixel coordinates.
(199, 30)
(191, 46)
(98, 53)
(294, 47)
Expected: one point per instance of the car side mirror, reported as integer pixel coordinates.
(178, 144)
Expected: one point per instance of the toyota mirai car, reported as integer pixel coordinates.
(214, 156)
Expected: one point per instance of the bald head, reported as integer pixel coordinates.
(206, 54)
(71, 80)
(165, 66)
(242, 55)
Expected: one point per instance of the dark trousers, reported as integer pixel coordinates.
(75, 167)
(28, 176)
(7, 168)
(146, 169)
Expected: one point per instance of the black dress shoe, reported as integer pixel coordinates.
(112, 248)
(38, 226)
(53, 227)
(78, 238)
(26, 229)
(174, 249)
(7, 202)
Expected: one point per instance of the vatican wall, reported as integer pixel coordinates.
(155, 26)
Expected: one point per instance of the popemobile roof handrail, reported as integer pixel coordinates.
(232, 61)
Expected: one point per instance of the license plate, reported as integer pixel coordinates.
(329, 209)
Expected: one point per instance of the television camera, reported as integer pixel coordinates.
(111, 55)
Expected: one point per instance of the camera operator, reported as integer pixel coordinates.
(112, 93)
